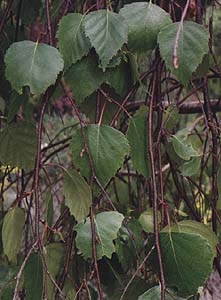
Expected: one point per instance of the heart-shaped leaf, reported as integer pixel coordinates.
(184, 245)
(107, 32)
(192, 46)
(107, 147)
(72, 41)
(145, 20)
(32, 64)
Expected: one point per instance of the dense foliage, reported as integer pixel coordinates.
(109, 148)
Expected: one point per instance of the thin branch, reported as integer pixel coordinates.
(187, 107)
(136, 272)
(18, 277)
(48, 22)
(155, 192)
(37, 171)
(176, 44)
(94, 252)
(215, 137)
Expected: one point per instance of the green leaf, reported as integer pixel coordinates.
(54, 257)
(132, 57)
(137, 135)
(8, 292)
(84, 78)
(107, 32)
(49, 208)
(128, 243)
(7, 274)
(2, 105)
(88, 107)
(203, 67)
(183, 245)
(171, 117)
(120, 78)
(32, 64)
(137, 286)
(183, 146)
(191, 167)
(147, 221)
(12, 230)
(145, 20)
(72, 41)
(69, 289)
(7, 280)
(192, 46)
(18, 142)
(15, 102)
(114, 62)
(78, 196)
(33, 278)
(105, 143)
(155, 293)
(107, 225)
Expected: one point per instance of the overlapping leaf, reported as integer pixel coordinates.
(33, 284)
(107, 32)
(145, 20)
(137, 135)
(128, 243)
(12, 230)
(84, 78)
(15, 103)
(120, 78)
(191, 167)
(146, 220)
(184, 245)
(32, 64)
(155, 293)
(182, 145)
(18, 145)
(171, 117)
(78, 196)
(107, 147)
(107, 225)
(72, 41)
(192, 46)
(54, 257)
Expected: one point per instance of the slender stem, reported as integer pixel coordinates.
(155, 191)
(48, 22)
(37, 171)
(136, 272)
(18, 277)
(176, 44)
(94, 250)
(215, 137)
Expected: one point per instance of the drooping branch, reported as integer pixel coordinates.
(188, 107)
